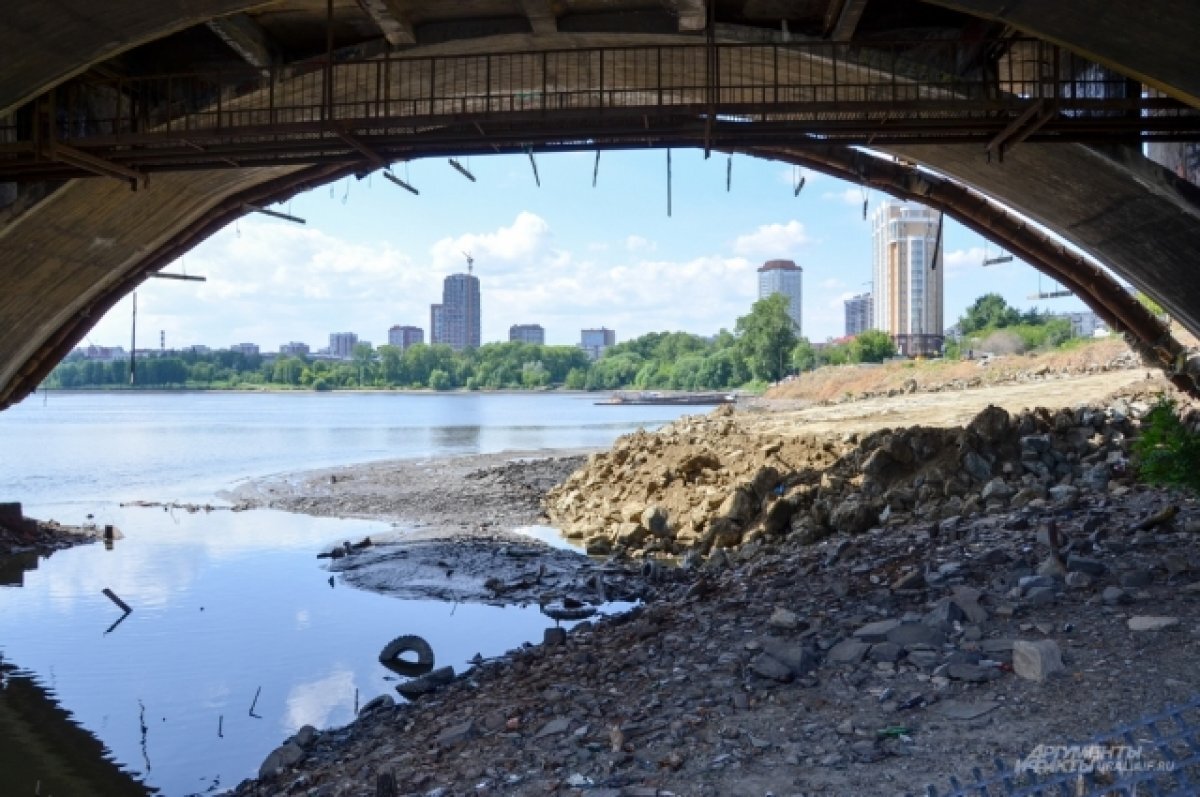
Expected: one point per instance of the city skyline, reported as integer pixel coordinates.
(566, 255)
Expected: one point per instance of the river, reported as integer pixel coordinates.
(238, 637)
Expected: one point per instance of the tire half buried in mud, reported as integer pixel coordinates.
(392, 655)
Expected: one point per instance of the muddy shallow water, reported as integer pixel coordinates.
(224, 605)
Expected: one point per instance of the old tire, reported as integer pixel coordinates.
(392, 652)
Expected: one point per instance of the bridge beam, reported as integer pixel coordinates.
(1157, 48)
(246, 38)
(392, 19)
(842, 18)
(693, 15)
(541, 16)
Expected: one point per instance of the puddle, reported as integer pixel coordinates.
(230, 611)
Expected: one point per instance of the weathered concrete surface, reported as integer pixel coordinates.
(74, 253)
(75, 248)
(45, 43)
(1156, 43)
(1126, 211)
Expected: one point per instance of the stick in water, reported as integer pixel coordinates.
(255, 702)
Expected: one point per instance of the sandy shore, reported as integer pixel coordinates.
(449, 495)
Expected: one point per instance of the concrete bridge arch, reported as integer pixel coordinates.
(72, 248)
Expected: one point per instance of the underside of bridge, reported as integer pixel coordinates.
(130, 131)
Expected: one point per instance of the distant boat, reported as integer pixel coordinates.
(677, 399)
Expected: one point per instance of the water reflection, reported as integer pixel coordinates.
(13, 568)
(230, 611)
(46, 752)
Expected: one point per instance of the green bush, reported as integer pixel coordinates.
(1167, 453)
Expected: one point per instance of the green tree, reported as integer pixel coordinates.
(439, 379)
(989, 311)
(766, 338)
(576, 379)
(804, 356)
(871, 346)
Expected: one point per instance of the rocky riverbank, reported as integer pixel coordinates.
(868, 664)
(856, 613)
(23, 535)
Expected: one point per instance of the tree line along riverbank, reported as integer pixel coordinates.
(763, 348)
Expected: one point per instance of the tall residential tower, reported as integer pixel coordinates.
(455, 321)
(908, 277)
(782, 276)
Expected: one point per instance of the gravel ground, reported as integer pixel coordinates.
(867, 665)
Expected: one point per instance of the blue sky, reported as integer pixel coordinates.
(565, 255)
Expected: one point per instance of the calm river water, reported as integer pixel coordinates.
(227, 606)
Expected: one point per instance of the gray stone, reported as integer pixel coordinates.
(1151, 623)
(1137, 578)
(1064, 494)
(308, 734)
(554, 636)
(1115, 596)
(973, 673)
(554, 727)
(978, 467)
(456, 734)
(876, 631)
(654, 519)
(1041, 596)
(848, 651)
(784, 619)
(886, 651)
(944, 613)
(1079, 580)
(383, 701)
(1027, 583)
(997, 489)
(1082, 564)
(913, 579)
(767, 666)
(916, 634)
(798, 658)
(286, 755)
(1035, 444)
(1036, 661)
(958, 710)
(925, 659)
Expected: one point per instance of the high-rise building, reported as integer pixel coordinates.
(595, 341)
(294, 349)
(245, 349)
(341, 345)
(527, 333)
(908, 277)
(783, 276)
(403, 337)
(455, 321)
(858, 314)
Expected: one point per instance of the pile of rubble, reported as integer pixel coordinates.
(713, 482)
(19, 534)
(873, 663)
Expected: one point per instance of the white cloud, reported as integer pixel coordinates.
(849, 196)
(772, 240)
(636, 243)
(523, 239)
(831, 283)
